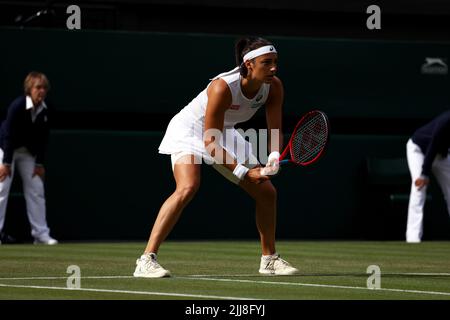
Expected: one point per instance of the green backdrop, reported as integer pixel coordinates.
(110, 184)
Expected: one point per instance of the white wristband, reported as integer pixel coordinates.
(240, 171)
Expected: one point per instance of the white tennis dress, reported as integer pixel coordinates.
(184, 135)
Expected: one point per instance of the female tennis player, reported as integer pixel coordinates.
(204, 131)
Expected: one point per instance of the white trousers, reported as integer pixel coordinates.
(441, 170)
(33, 189)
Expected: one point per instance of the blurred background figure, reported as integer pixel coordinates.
(427, 151)
(23, 140)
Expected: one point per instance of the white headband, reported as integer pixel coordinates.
(259, 52)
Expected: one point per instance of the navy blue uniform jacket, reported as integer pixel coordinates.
(18, 130)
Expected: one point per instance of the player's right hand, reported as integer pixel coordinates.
(5, 171)
(254, 176)
(273, 164)
(421, 182)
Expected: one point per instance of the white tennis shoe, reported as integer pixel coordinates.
(274, 265)
(46, 240)
(148, 267)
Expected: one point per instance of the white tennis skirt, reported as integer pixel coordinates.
(186, 137)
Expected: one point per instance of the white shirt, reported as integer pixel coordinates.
(34, 111)
(185, 130)
(241, 109)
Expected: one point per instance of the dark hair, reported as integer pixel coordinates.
(245, 45)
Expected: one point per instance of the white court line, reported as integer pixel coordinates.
(229, 275)
(151, 293)
(422, 274)
(328, 275)
(209, 278)
(58, 278)
(318, 285)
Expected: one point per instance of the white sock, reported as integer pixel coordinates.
(269, 257)
(148, 255)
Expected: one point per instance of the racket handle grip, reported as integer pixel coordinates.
(283, 162)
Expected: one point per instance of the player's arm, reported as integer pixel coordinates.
(9, 130)
(219, 100)
(430, 155)
(274, 114)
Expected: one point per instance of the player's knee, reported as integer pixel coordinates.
(185, 193)
(268, 193)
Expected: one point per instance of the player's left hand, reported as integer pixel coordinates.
(39, 171)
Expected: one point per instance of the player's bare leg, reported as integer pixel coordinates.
(187, 177)
(265, 196)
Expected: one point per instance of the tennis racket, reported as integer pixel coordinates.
(308, 141)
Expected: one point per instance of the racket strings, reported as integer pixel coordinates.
(310, 139)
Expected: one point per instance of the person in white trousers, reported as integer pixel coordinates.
(23, 139)
(427, 151)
